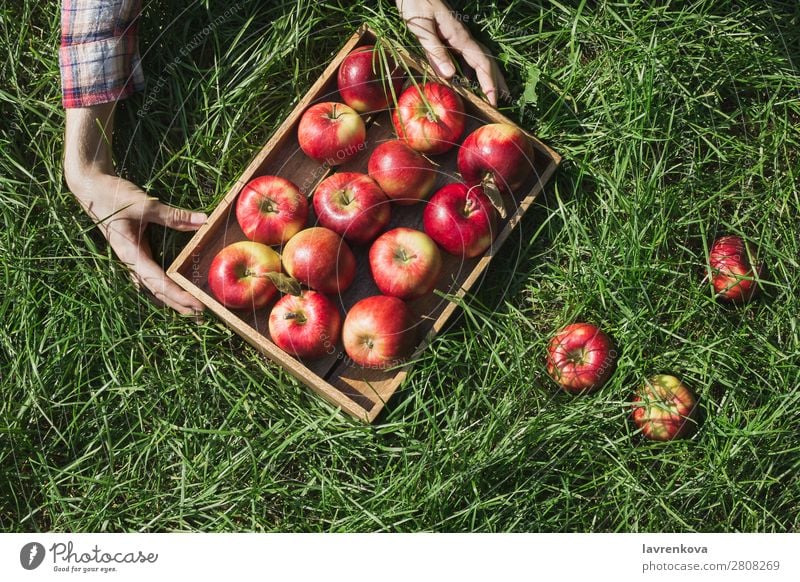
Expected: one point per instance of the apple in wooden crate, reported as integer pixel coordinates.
(429, 117)
(461, 220)
(306, 325)
(352, 205)
(367, 83)
(405, 263)
(239, 275)
(331, 133)
(379, 332)
(271, 210)
(318, 258)
(404, 174)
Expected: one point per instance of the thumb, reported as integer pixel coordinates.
(177, 218)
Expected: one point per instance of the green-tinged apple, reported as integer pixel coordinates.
(461, 220)
(352, 205)
(318, 258)
(331, 133)
(306, 325)
(378, 332)
(581, 358)
(734, 269)
(405, 263)
(405, 175)
(239, 275)
(429, 117)
(664, 408)
(366, 83)
(271, 210)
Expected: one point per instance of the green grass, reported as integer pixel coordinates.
(677, 123)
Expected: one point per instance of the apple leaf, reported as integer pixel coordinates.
(529, 94)
(494, 195)
(284, 283)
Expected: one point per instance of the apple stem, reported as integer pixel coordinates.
(403, 255)
(297, 316)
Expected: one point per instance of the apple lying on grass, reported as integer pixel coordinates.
(461, 220)
(405, 263)
(405, 175)
(580, 358)
(497, 156)
(305, 325)
(271, 210)
(239, 275)
(331, 133)
(734, 269)
(429, 117)
(664, 408)
(366, 82)
(352, 205)
(378, 332)
(318, 258)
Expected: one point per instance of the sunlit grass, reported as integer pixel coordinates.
(676, 125)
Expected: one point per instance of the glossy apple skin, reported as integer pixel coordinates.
(352, 205)
(378, 332)
(732, 274)
(236, 275)
(306, 325)
(581, 358)
(318, 258)
(331, 133)
(271, 210)
(431, 134)
(405, 263)
(500, 151)
(405, 175)
(360, 83)
(461, 220)
(664, 408)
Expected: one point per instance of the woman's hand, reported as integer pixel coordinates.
(121, 209)
(435, 24)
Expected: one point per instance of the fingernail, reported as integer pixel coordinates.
(199, 218)
(447, 69)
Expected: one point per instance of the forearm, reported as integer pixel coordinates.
(87, 145)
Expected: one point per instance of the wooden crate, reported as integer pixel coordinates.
(360, 392)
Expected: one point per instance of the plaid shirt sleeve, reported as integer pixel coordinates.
(99, 54)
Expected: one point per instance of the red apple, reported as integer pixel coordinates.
(352, 205)
(664, 409)
(318, 258)
(405, 263)
(331, 133)
(430, 117)
(580, 358)
(364, 82)
(461, 220)
(498, 154)
(405, 175)
(238, 275)
(733, 274)
(306, 325)
(271, 210)
(378, 332)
